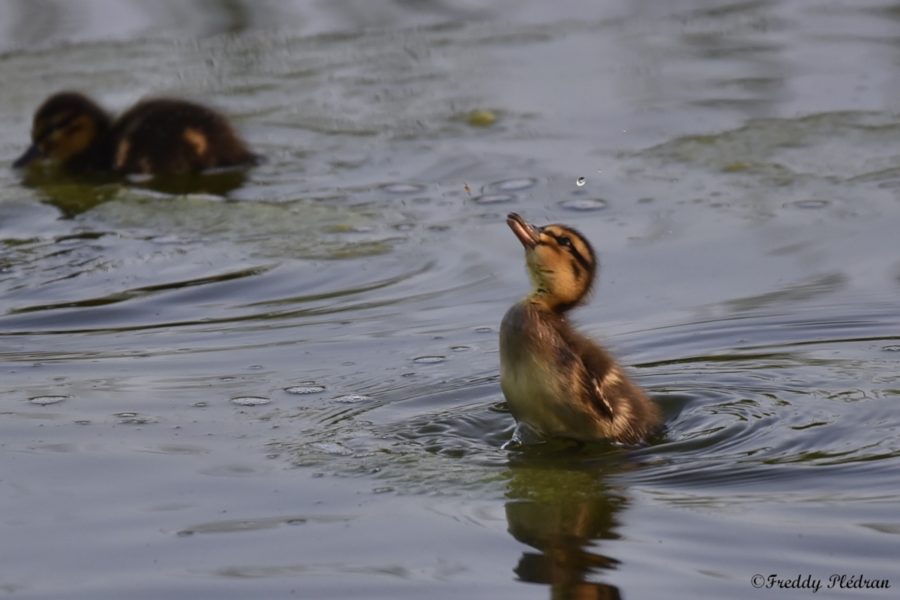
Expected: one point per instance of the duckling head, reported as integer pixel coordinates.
(66, 127)
(561, 263)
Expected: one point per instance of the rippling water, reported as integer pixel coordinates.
(284, 383)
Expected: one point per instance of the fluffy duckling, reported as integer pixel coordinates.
(557, 381)
(160, 136)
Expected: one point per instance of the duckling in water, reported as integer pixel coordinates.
(160, 136)
(557, 381)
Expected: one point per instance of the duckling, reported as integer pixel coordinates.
(160, 136)
(557, 381)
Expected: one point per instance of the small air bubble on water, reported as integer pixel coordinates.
(429, 360)
(305, 388)
(133, 418)
(352, 398)
(47, 400)
(514, 185)
(811, 203)
(583, 204)
(580, 181)
(250, 400)
(403, 188)
(494, 198)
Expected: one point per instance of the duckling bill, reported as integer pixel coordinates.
(161, 136)
(557, 381)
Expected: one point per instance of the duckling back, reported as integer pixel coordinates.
(171, 136)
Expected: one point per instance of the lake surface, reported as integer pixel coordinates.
(287, 386)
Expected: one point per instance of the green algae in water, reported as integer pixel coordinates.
(297, 229)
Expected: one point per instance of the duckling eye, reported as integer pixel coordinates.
(564, 241)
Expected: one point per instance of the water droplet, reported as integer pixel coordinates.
(352, 398)
(250, 400)
(580, 181)
(48, 400)
(514, 185)
(484, 329)
(305, 388)
(811, 203)
(584, 204)
(460, 348)
(494, 198)
(429, 360)
(403, 188)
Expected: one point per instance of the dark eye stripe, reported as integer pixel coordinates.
(61, 124)
(566, 243)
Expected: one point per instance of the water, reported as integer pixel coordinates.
(286, 386)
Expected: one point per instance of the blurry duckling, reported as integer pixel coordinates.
(556, 381)
(159, 136)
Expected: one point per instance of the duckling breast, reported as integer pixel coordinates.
(538, 373)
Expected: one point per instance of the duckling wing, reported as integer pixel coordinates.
(597, 374)
(599, 399)
(631, 414)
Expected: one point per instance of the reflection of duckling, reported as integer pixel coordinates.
(557, 381)
(159, 136)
